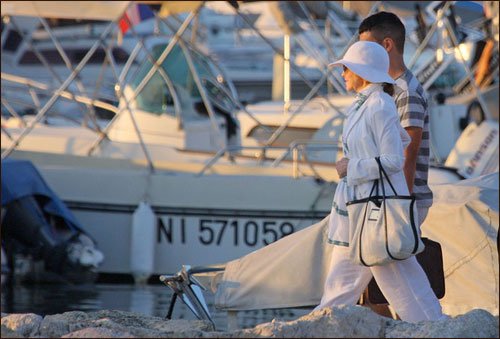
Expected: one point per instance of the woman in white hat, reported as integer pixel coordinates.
(372, 129)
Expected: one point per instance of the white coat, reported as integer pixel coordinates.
(374, 130)
(371, 130)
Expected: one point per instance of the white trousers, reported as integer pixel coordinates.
(403, 283)
(422, 214)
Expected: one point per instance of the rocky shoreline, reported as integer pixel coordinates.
(338, 322)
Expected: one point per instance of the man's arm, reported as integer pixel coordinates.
(411, 153)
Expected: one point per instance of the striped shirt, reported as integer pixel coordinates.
(411, 102)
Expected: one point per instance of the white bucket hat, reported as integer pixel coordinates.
(367, 59)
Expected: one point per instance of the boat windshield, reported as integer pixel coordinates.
(156, 97)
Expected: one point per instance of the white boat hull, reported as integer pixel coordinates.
(199, 220)
(196, 237)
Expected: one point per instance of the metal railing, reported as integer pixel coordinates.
(301, 147)
(296, 148)
(230, 150)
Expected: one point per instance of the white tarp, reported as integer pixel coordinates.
(291, 271)
(91, 10)
(464, 219)
(287, 273)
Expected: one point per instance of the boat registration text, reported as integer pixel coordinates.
(222, 231)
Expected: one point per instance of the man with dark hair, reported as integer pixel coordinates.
(383, 25)
(387, 30)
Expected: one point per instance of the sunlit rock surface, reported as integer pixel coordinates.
(25, 325)
(337, 322)
(348, 322)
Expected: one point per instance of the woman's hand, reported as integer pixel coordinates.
(341, 167)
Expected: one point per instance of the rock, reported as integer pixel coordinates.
(146, 326)
(474, 324)
(8, 333)
(98, 332)
(128, 323)
(57, 325)
(341, 321)
(336, 322)
(26, 325)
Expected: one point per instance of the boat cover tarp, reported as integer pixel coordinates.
(464, 219)
(92, 10)
(287, 273)
(20, 178)
(290, 272)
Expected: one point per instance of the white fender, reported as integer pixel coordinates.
(142, 242)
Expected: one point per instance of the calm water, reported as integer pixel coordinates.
(152, 300)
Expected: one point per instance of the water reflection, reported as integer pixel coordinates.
(152, 300)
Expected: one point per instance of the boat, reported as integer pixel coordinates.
(39, 230)
(244, 41)
(149, 199)
(173, 165)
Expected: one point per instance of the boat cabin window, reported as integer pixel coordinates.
(155, 97)
(218, 96)
(75, 55)
(59, 22)
(262, 133)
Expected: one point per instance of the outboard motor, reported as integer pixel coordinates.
(36, 223)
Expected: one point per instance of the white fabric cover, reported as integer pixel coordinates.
(464, 220)
(291, 271)
(95, 10)
(287, 273)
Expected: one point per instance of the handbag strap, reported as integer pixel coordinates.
(383, 173)
(375, 186)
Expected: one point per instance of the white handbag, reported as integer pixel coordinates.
(383, 228)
